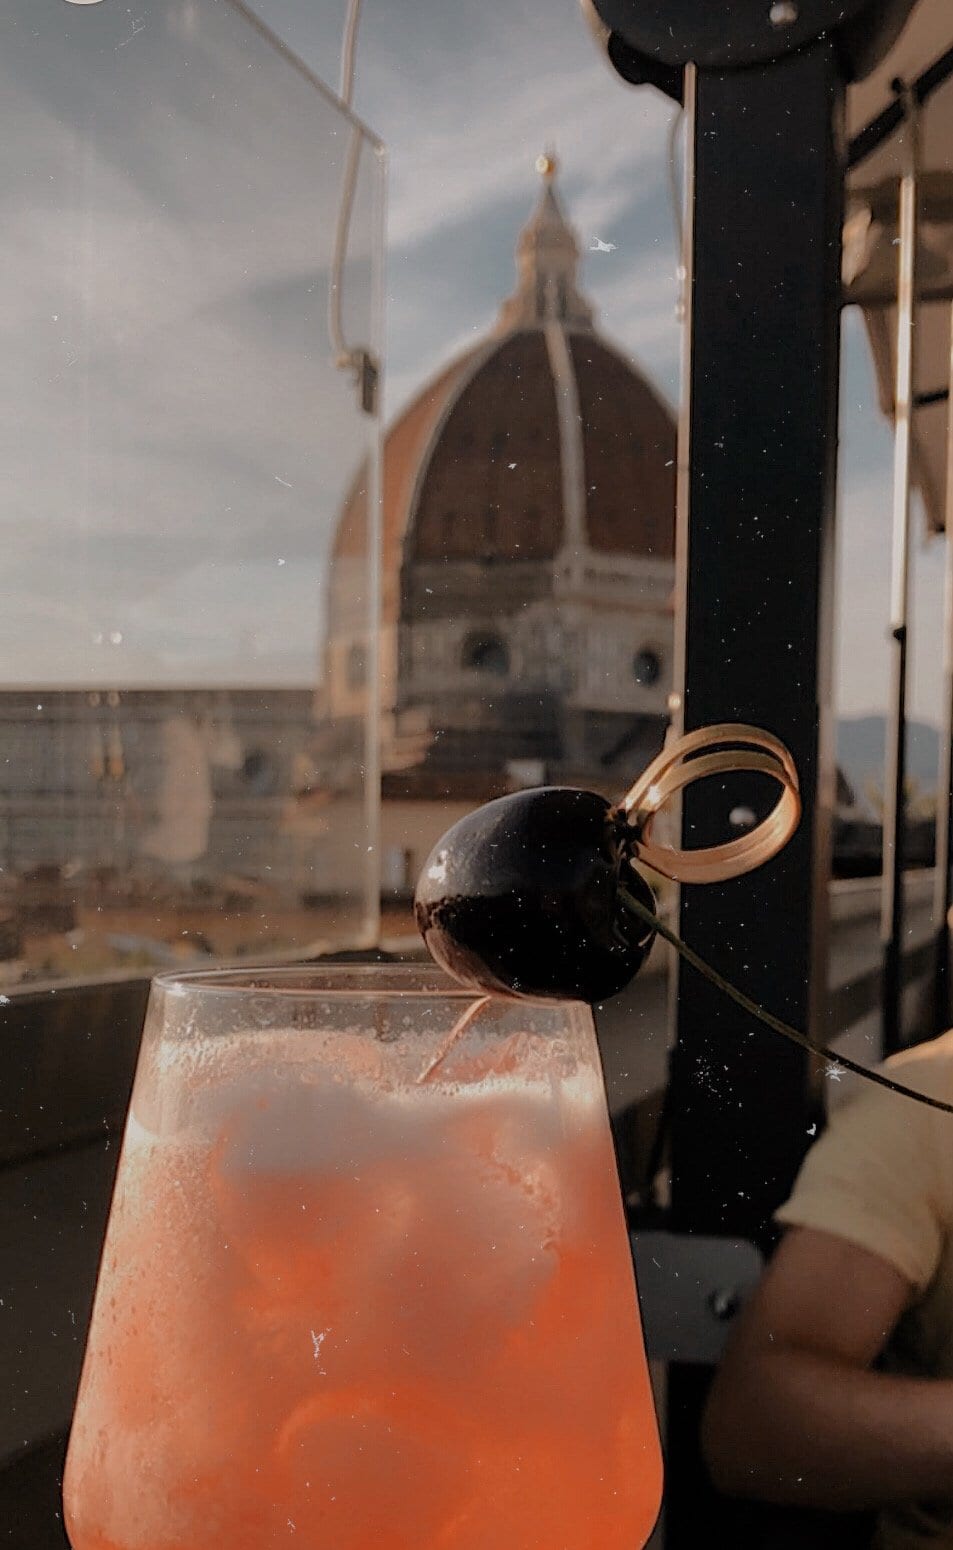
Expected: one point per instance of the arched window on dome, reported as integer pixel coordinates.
(486, 653)
(646, 667)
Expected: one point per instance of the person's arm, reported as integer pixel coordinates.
(797, 1416)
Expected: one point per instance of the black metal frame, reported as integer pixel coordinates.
(943, 877)
(756, 516)
(756, 527)
(653, 40)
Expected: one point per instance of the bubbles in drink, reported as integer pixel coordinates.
(343, 1308)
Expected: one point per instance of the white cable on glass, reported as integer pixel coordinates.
(348, 45)
(346, 356)
(675, 193)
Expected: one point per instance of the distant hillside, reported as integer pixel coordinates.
(861, 748)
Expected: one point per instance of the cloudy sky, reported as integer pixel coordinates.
(134, 555)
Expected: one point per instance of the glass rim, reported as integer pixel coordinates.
(336, 981)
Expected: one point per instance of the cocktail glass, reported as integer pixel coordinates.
(366, 1280)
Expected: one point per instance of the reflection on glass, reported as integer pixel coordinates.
(180, 443)
(366, 1280)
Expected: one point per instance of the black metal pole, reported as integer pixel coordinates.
(894, 845)
(895, 776)
(943, 891)
(755, 573)
(942, 898)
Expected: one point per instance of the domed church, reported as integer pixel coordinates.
(528, 542)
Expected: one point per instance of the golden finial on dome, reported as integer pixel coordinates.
(547, 261)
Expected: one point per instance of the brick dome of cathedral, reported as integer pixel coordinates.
(541, 442)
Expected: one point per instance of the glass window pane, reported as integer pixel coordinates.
(188, 764)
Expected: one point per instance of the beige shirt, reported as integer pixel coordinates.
(881, 1176)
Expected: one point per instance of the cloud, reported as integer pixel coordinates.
(451, 171)
(172, 414)
(638, 309)
(163, 348)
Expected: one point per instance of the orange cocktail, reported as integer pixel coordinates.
(366, 1282)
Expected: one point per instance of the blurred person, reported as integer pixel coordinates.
(836, 1390)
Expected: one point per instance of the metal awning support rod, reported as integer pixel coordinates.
(873, 135)
(935, 396)
(894, 818)
(942, 899)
